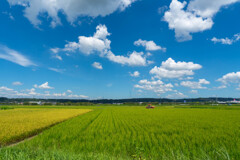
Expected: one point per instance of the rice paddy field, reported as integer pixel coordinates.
(17, 124)
(129, 132)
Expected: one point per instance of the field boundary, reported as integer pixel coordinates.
(24, 140)
(35, 133)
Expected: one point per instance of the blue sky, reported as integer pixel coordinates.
(119, 48)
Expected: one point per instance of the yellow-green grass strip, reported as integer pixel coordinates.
(18, 124)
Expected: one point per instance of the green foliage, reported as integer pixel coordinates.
(29, 154)
(137, 133)
(5, 108)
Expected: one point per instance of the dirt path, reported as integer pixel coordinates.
(22, 141)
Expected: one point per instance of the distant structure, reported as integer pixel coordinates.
(234, 102)
(229, 102)
(35, 102)
(150, 106)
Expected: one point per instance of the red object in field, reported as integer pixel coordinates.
(150, 107)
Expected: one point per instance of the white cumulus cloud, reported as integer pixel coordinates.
(134, 59)
(196, 17)
(89, 45)
(172, 69)
(194, 91)
(184, 22)
(227, 41)
(149, 45)
(71, 8)
(43, 86)
(206, 8)
(17, 83)
(157, 86)
(195, 85)
(97, 65)
(69, 91)
(29, 93)
(176, 95)
(99, 44)
(135, 74)
(228, 79)
(3, 88)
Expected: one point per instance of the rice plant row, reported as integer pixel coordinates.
(138, 133)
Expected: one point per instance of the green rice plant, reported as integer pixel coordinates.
(18, 124)
(5, 108)
(138, 133)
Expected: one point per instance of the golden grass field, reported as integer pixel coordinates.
(17, 124)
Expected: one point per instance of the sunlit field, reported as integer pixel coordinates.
(166, 132)
(16, 124)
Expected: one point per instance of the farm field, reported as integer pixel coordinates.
(133, 132)
(17, 124)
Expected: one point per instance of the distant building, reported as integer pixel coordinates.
(117, 103)
(221, 102)
(35, 102)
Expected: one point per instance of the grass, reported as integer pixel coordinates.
(17, 124)
(5, 108)
(138, 133)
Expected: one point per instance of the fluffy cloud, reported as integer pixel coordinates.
(14, 56)
(43, 86)
(134, 59)
(197, 17)
(99, 44)
(5, 91)
(89, 45)
(194, 91)
(195, 85)
(77, 96)
(68, 94)
(160, 72)
(69, 91)
(184, 22)
(170, 64)
(176, 95)
(8, 92)
(3, 88)
(172, 69)
(157, 86)
(97, 65)
(71, 8)
(226, 40)
(149, 45)
(229, 78)
(17, 83)
(206, 8)
(32, 92)
(221, 87)
(135, 74)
